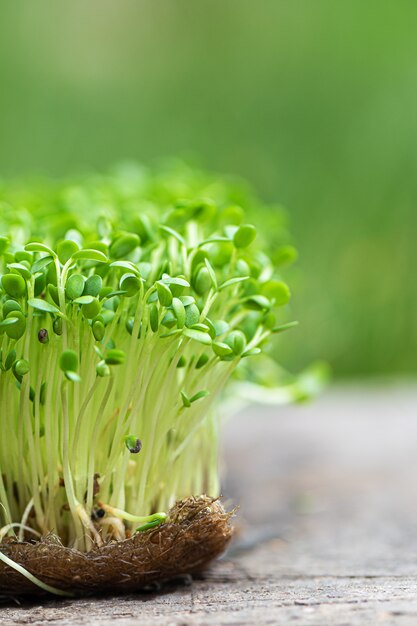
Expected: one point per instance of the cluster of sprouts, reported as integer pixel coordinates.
(125, 308)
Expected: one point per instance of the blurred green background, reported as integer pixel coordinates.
(313, 101)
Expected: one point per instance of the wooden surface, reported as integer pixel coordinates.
(327, 524)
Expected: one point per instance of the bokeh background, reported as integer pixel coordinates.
(313, 101)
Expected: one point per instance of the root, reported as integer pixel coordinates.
(196, 531)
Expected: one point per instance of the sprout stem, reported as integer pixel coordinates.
(117, 339)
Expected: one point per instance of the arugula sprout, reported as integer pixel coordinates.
(126, 304)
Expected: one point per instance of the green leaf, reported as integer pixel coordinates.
(22, 255)
(10, 359)
(123, 245)
(171, 333)
(211, 327)
(164, 293)
(9, 321)
(4, 243)
(244, 236)
(84, 300)
(40, 264)
(149, 525)
(192, 315)
(203, 327)
(21, 367)
(40, 247)
(213, 240)
(16, 330)
(169, 320)
(115, 357)
(22, 269)
(75, 286)
(257, 303)
(233, 281)
(252, 352)
(42, 393)
(90, 255)
(154, 317)
(91, 309)
(112, 294)
(269, 320)
(284, 255)
(102, 369)
(220, 326)
(277, 291)
(237, 341)
(185, 399)
(175, 280)
(198, 335)
(14, 285)
(130, 284)
(107, 316)
(72, 376)
(52, 291)
(11, 305)
(98, 245)
(202, 280)
(68, 361)
(127, 265)
(43, 305)
(173, 233)
(221, 349)
(93, 285)
(212, 273)
(187, 300)
(66, 250)
(179, 312)
(201, 394)
(284, 327)
(145, 269)
(203, 359)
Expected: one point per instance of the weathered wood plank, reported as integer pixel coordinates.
(328, 525)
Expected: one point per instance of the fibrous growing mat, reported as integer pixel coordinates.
(197, 530)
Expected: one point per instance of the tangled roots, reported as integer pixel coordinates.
(197, 530)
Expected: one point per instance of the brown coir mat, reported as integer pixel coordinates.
(197, 530)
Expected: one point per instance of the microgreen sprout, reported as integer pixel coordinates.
(118, 322)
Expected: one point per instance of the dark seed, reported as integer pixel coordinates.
(133, 445)
(137, 448)
(98, 514)
(43, 335)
